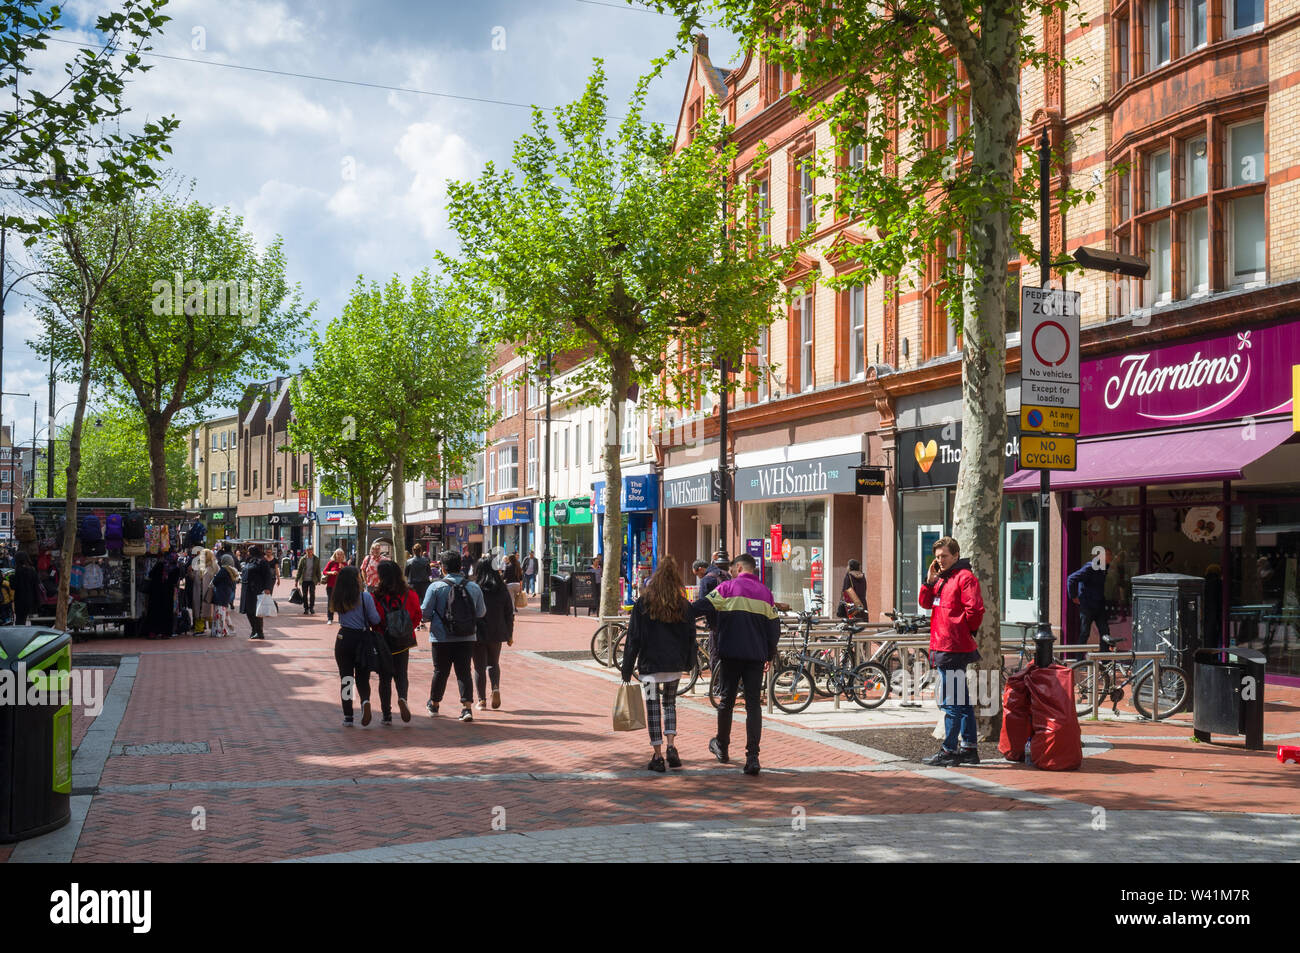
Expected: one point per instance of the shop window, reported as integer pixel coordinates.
(1194, 24)
(1245, 15)
(923, 523)
(1247, 240)
(1157, 25)
(1159, 286)
(1196, 174)
(1246, 151)
(858, 331)
(803, 525)
(1196, 252)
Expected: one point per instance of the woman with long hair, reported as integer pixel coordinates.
(357, 615)
(660, 646)
(258, 579)
(391, 595)
(497, 626)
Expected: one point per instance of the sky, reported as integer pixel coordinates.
(350, 176)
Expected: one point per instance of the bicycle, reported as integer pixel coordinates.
(1114, 675)
(895, 659)
(866, 684)
(615, 629)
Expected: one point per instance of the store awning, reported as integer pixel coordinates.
(1184, 456)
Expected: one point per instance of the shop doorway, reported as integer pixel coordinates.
(1021, 592)
(1113, 536)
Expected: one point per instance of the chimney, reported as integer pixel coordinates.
(702, 45)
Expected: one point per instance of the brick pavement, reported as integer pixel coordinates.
(281, 778)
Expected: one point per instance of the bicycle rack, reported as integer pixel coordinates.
(1155, 656)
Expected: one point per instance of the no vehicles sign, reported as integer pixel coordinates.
(1049, 347)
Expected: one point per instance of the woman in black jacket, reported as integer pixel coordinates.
(660, 646)
(258, 579)
(497, 626)
(27, 590)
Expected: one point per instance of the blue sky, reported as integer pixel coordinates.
(352, 177)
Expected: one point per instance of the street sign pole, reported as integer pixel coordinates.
(1043, 637)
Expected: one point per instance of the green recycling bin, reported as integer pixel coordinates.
(35, 731)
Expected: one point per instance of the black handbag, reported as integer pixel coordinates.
(296, 596)
(373, 654)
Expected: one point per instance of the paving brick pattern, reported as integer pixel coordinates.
(283, 779)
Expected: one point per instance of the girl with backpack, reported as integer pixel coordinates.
(497, 626)
(358, 615)
(660, 646)
(399, 616)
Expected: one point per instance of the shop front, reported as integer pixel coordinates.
(1189, 464)
(572, 533)
(690, 520)
(929, 464)
(639, 503)
(338, 530)
(220, 522)
(802, 514)
(511, 526)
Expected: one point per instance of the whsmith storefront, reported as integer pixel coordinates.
(1189, 463)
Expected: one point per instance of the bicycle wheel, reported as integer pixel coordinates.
(916, 679)
(868, 685)
(792, 691)
(1082, 675)
(1173, 692)
(605, 631)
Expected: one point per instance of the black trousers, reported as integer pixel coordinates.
(256, 622)
(308, 596)
(401, 662)
(487, 664)
(353, 682)
(1087, 617)
(448, 656)
(733, 673)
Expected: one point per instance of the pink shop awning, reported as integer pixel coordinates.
(1184, 456)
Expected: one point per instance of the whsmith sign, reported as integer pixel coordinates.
(690, 491)
(799, 478)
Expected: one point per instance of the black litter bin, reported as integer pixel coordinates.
(1230, 695)
(560, 593)
(35, 731)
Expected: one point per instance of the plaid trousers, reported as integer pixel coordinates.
(660, 709)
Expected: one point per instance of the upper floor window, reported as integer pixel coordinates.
(224, 439)
(214, 442)
(763, 208)
(1121, 51)
(508, 469)
(806, 376)
(763, 348)
(1246, 153)
(1245, 15)
(1196, 160)
(213, 481)
(858, 331)
(1157, 33)
(1158, 194)
(1194, 26)
(532, 461)
(806, 197)
(629, 443)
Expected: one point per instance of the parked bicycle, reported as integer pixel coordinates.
(793, 686)
(615, 629)
(899, 662)
(1115, 674)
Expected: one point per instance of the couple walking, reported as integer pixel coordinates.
(661, 645)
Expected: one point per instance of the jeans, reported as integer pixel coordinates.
(959, 719)
(530, 583)
(401, 662)
(446, 656)
(732, 672)
(352, 681)
(308, 596)
(487, 665)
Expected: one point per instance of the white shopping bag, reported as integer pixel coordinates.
(266, 606)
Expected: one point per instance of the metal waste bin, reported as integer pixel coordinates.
(35, 731)
(1230, 695)
(560, 593)
(1168, 606)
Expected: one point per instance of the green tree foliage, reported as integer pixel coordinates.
(617, 245)
(395, 391)
(65, 139)
(195, 311)
(114, 459)
(885, 77)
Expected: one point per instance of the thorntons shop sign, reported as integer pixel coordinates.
(1241, 374)
(798, 478)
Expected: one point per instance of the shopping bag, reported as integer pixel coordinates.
(629, 708)
(296, 596)
(517, 593)
(266, 607)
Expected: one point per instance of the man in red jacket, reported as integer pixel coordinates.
(953, 592)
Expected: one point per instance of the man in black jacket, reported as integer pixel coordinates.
(258, 579)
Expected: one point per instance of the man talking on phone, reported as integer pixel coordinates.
(953, 592)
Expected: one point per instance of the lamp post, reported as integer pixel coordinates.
(723, 372)
(545, 605)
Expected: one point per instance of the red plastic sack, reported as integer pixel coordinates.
(1056, 744)
(1016, 724)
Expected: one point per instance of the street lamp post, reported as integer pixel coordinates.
(722, 462)
(546, 498)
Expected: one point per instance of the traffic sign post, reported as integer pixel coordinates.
(1048, 453)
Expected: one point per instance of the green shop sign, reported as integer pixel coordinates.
(571, 512)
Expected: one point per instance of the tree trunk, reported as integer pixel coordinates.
(399, 509)
(74, 468)
(977, 516)
(157, 428)
(612, 531)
